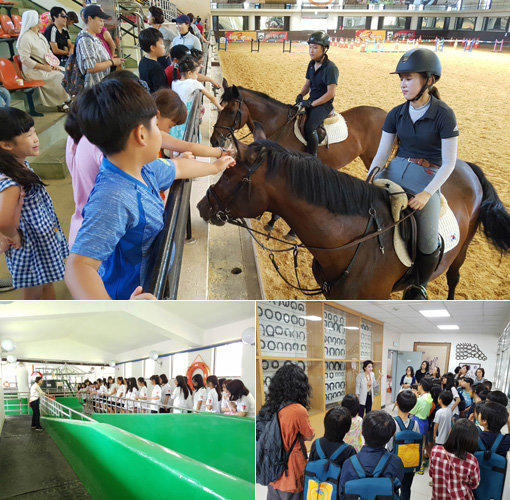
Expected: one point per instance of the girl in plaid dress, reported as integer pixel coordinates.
(35, 244)
(453, 468)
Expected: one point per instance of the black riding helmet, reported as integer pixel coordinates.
(319, 38)
(420, 61)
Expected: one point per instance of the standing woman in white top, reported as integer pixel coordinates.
(103, 390)
(366, 386)
(142, 394)
(212, 403)
(131, 394)
(112, 391)
(200, 393)
(448, 384)
(181, 395)
(166, 391)
(121, 394)
(240, 395)
(155, 396)
(225, 395)
(35, 394)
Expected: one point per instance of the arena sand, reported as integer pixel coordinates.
(476, 85)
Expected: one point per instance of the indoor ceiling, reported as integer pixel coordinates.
(87, 329)
(473, 317)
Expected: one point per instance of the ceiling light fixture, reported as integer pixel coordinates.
(435, 313)
(312, 318)
(351, 327)
(448, 327)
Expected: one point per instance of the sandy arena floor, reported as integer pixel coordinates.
(476, 85)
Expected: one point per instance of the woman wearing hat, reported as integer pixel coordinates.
(427, 134)
(185, 36)
(91, 55)
(321, 82)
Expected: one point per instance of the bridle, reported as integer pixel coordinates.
(235, 125)
(223, 213)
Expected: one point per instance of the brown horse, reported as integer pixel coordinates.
(244, 107)
(329, 209)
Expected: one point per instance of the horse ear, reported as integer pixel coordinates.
(258, 131)
(225, 83)
(235, 92)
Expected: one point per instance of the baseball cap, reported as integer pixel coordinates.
(94, 11)
(183, 18)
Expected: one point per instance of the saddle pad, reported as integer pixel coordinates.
(336, 130)
(448, 225)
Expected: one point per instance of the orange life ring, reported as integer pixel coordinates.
(38, 373)
(197, 365)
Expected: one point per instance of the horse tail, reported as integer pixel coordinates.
(493, 216)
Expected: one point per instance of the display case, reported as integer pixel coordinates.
(329, 341)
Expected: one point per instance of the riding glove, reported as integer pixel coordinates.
(307, 103)
(299, 98)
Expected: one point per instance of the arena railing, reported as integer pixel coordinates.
(169, 246)
(50, 407)
(95, 403)
(14, 404)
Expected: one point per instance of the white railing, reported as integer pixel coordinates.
(13, 402)
(50, 407)
(96, 403)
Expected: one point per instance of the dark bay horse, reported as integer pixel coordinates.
(244, 107)
(329, 209)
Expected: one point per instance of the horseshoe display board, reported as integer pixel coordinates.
(334, 333)
(282, 327)
(334, 381)
(271, 366)
(366, 340)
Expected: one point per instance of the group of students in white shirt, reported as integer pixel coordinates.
(131, 395)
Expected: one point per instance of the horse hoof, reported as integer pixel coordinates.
(290, 236)
(268, 228)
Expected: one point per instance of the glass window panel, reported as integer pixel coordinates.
(228, 360)
(179, 364)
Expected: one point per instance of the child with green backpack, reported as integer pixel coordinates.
(374, 472)
(322, 472)
(407, 442)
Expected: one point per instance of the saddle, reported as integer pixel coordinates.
(405, 236)
(333, 130)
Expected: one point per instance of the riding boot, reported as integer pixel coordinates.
(425, 265)
(312, 143)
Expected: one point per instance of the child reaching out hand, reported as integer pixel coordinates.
(35, 244)
(124, 213)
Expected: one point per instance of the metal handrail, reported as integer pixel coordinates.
(100, 403)
(169, 246)
(13, 402)
(51, 407)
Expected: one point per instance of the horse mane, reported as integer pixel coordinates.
(318, 184)
(228, 95)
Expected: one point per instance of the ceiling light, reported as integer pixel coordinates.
(351, 327)
(448, 327)
(435, 313)
(312, 318)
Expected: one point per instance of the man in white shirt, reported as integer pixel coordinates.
(35, 395)
(185, 37)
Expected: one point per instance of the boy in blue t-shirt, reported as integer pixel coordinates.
(466, 383)
(124, 213)
(493, 417)
(378, 428)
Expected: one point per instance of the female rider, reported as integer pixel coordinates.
(427, 132)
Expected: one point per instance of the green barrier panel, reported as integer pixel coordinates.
(114, 464)
(223, 442)
(12, 406)
(71, 402)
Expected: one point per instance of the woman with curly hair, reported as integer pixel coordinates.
(289, 396)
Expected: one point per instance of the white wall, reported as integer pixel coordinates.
(488, 344)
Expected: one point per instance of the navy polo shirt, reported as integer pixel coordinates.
(422, 139)
(369, 458)
(326, 74)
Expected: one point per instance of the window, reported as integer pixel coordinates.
(149, 369)
(128, 370)
(466, 23)
(179, 364)
(394, 22)
(229, 360)
(272, 23)
(355, 22)
(432, 23)
(230, 23)
(497, 23)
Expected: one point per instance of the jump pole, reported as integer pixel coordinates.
(258, 46)
(219, 44)
(290, 46)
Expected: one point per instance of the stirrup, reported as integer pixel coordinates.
(416, 292)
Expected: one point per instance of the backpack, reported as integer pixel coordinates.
(74, 79)
(322, 475)
(371, 486)
(272, 459)
(408, 445)
(492, 471)
(462, 403)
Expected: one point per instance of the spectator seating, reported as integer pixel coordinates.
(13, 82)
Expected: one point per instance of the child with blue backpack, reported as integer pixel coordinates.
(407, 441)
(374, 470)
(327, 455)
